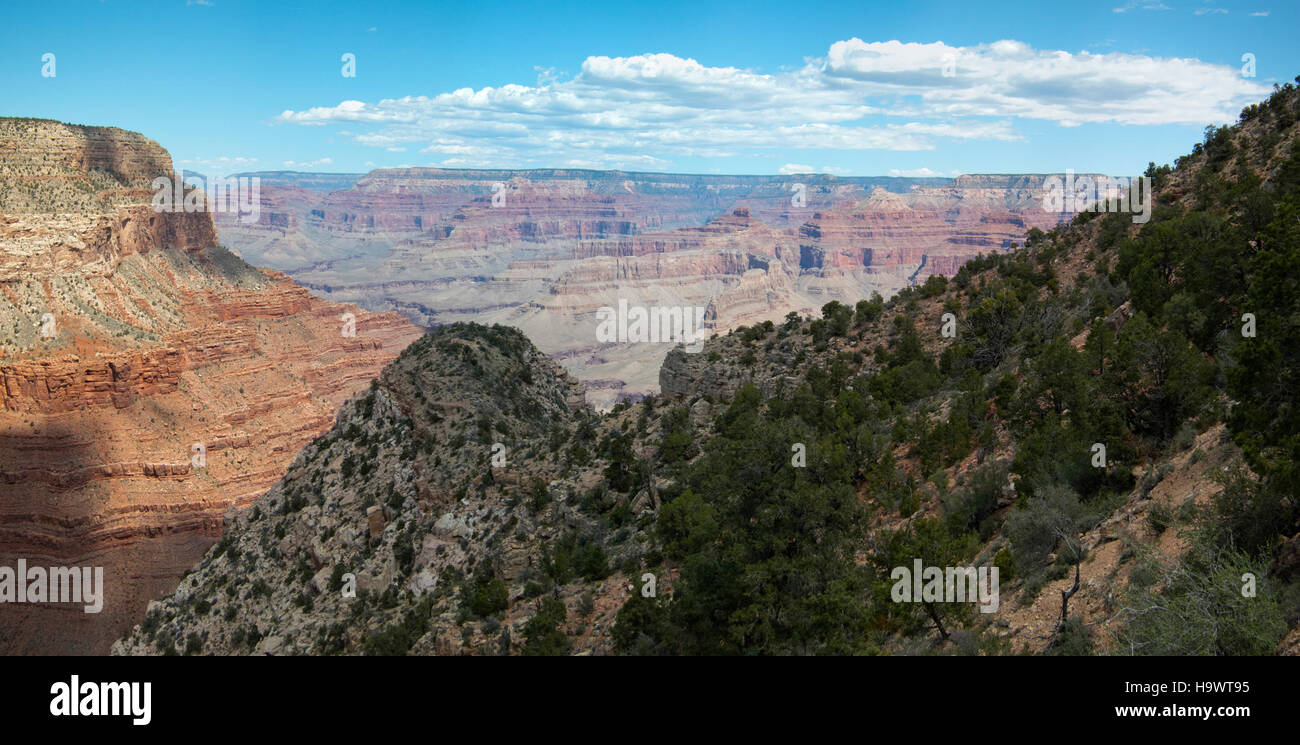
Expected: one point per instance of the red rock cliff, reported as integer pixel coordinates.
(131, 344)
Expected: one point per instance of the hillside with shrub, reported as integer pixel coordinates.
(1172, 345)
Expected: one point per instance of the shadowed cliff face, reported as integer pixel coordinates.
(545, 250)
(128, 338)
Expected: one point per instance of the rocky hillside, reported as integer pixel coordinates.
(1104, 415)
(128, 337)
(50, 167)
(444, 495)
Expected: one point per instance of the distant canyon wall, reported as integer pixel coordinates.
(543, 250)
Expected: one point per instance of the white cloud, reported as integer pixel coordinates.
(921, 173)
(218, 166)
(790, 169)
(599, 161)
(862, 96)
(308, 163)
(1260, 14)
(1010, 78)
(1144, 6)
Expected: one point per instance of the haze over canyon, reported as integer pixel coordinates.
(544, 250)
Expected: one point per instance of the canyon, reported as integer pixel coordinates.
(765, 499)
(150, 380)
(544, 250)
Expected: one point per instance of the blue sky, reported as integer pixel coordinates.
(853, 88)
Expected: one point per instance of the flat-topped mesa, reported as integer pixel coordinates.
(992, 192)
(76, 200)
(38, 149)
(1002, 181)
(529, 213)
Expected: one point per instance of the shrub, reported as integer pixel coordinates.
(542, 636)
(1199, 609)
(1035, 529)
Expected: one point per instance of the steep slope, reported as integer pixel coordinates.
(439, 491)
(129, 338)
(1138, 338)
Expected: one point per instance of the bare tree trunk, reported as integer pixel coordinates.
(1067, 594)
(1065, 605)
(1065, 598)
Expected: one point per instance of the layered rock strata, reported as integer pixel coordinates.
(149, 379)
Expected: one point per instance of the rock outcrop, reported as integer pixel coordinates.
(415, 492)
(149, 379)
